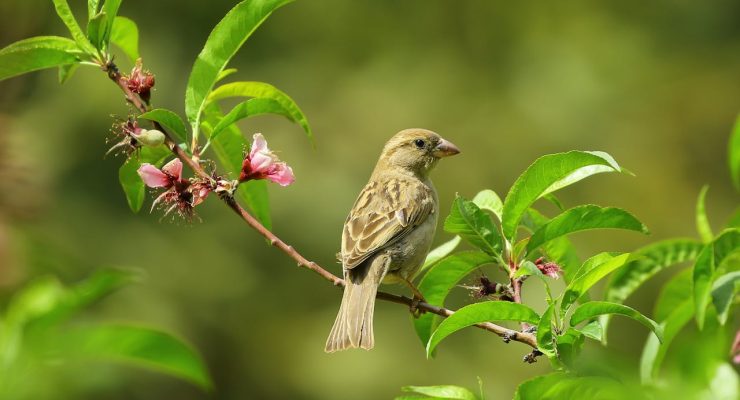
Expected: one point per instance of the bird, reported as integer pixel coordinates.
(388, 232)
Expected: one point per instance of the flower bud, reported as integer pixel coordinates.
(150, 137)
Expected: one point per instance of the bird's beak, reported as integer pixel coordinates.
(445, 148)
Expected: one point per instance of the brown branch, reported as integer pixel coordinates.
(115, 76)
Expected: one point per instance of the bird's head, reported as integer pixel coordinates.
(416, 150)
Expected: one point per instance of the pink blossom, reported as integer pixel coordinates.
(140, 81)
(735, 351)
(180, 194)
(261, 163)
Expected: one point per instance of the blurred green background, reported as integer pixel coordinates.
(655, 84)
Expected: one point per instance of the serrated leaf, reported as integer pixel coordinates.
(468, 221)
(260, 90)
(125, 34)
(702, 222)
(225, 73)
(437, 283)
(567, 386)
(707, 261)
(37, 53)
(582, 282)
(250, 108)
(488, 200)
(723, 293)
(654, 351)
(548, 174)
(655, 258)
(223, 42)
(129, 178)
(569, 345)
(171, 121)
(442, 391)
(594, 309)
(65, 14)
(481, 312)
(142, 347)
(582, 218)
(733, 154)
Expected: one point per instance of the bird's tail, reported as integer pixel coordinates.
(353, 326)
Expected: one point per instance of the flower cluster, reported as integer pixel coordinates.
(548, 268)
(140, 81)
(261, 163)
(180, 194)
(130, 137)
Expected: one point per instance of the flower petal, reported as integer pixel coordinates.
(259, 145)
(281, 174)
(153, 177)
(173, 169)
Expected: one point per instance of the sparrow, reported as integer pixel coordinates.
(388, 232)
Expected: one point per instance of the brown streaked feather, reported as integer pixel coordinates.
(383, 214)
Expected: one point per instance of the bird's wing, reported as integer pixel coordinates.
(385, 211)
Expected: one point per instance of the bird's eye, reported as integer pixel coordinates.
(419, 143)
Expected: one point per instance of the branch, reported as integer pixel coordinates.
(115, 75)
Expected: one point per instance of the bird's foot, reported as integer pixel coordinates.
(414, 307)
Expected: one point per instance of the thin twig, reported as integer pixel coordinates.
(115, 76)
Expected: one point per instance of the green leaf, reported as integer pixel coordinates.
(229, 147)
(66, 72)
(223, 74)
(702, 222)
(439, 252)
(481, 312)
(555, 201)
(437, 283)
(223, 42)
(37, 53)
(673, 294)
(95, 30)
(250, 108)
(442, 391)
(569, 345)
(654, 351)
(125, 35)
(593, 309)
(129, 178)
(488, 200)
(592, 330)
(567, 386)
(545, 337)
(142, 347)
(171, 121)
(723, 293)
(583, 218)
(110, 8)
(65, 14)
(654, 258)
(548, 174)
(583, 281)
(92, 8)
(468, 221)
(707, 262)
(733, 154)
(261, 90)
(559, 250)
